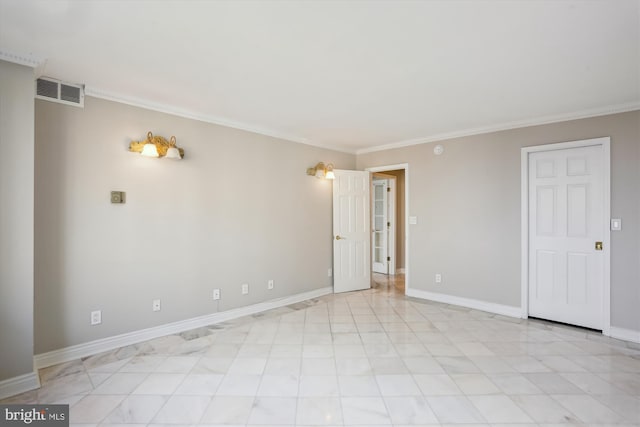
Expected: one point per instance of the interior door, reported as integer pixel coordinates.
(351, 231)
(566, 220)
(380, 229)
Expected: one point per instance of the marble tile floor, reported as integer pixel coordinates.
(369, 358)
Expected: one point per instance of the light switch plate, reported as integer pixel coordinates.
(118, 196)
(413, 220)
(616, 224)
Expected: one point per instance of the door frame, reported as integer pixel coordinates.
(405, 167)
(392, 184)
(605, 142)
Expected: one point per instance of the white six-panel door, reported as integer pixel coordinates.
(351, 231)
(566, 219)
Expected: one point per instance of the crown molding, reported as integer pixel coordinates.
(221, 121)
(176, 111)
(26, 59)
(584, 114)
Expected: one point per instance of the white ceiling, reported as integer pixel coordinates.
(353, 75)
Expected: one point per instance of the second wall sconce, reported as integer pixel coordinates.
(157, 146)
(322, 171)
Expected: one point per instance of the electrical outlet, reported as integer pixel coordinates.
(245, 289)
(330, 272)
(96, 317)
(270, 284)
(216, 294)
(156, 305)
(438, 278)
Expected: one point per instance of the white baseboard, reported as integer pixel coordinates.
(625, 334)
(504, 310)
(20, 384)
(98, 346)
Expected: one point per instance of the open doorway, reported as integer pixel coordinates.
(383, 223)
(389, 228)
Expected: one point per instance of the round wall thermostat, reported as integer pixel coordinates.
(438, 149)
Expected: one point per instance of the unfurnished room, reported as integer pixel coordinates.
(320, 213)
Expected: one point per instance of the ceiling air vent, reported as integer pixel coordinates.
(57, 91)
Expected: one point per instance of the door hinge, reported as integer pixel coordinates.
(388, 224)
(388, 258)
(388, 189)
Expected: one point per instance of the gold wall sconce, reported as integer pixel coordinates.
(157, 146)
(321, 171)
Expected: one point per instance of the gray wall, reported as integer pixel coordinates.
(468, 206)
(16, 220)
(238, 209)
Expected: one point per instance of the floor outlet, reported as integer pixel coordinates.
(156, 305)
(96, 317)
(245, 289)
(270, 284)
(216, 294)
